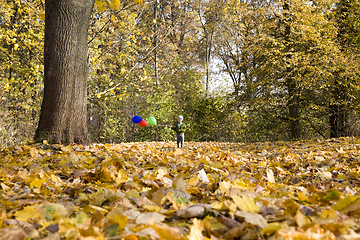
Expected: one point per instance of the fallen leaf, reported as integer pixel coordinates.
(270, 175)
(245, 204)
(301, 220)
(166, 232)
(203, 177)
(196, 211)
(196, 230)
(13, 233)
(253, 218)
(154, 217)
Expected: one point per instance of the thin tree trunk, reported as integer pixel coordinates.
(155, 43)
(293, 106)
(338, 110)
(64, 109)
(293, 98)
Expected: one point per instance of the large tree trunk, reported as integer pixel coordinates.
(64, 109)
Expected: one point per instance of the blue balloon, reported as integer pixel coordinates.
(136, 119)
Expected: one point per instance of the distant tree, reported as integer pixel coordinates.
(290, 81)
(347, 17)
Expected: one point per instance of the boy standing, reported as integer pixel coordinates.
(179, 128)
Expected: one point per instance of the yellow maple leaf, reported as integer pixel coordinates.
(167, 232)
(329, 214)
(132, 194)
(58, 210)
(152, 208)
(246, 203)
(115, 4)
(345, 203)
(101, 8)
(37, 183)
(104, 175)
(42, 16)
(301, 220)
(224, 186)
(302, 196)
(121, 177)
(193, 181)
(271, 228)
(34, 212)
(120, 220)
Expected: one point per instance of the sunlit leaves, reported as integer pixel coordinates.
(246, 203)
(21, 34)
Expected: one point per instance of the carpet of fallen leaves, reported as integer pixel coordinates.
(152, 190)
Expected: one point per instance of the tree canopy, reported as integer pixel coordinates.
(290, 67)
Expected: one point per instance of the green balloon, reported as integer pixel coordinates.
(152, 121)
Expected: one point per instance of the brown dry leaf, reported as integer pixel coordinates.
(179, 183)
(52, 236)
(13, 233)
(228, 222)
(195, 211)
(236, 232)
(166, 232)
(148, 232)
(153, 217)
(214, 227)
(253, 218)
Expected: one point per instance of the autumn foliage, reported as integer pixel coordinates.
(209, 190)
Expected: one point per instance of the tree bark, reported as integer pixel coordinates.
(155, 42)
(293, 107)
(337, 110)
(338, 101)
(293, 91)
(63, 115)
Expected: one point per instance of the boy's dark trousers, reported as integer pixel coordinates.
(180, 140)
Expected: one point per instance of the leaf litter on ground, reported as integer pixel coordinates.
(305, 190)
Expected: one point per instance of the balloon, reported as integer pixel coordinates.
(136, 119)
(143, 123)
(152, 121)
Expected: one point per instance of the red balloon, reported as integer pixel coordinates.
(143, 123)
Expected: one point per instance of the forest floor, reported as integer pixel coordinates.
(208, 190)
